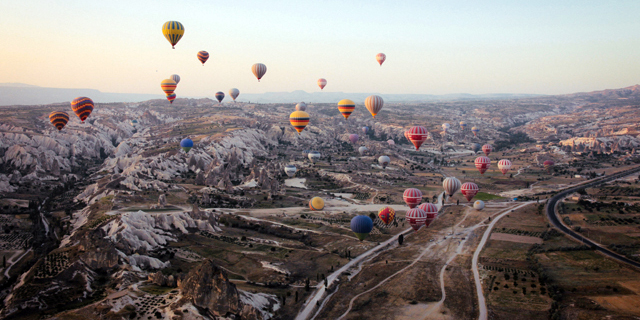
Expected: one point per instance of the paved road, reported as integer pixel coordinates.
(555, 220)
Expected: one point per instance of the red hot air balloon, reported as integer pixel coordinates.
(548, 165)
(417, 135)
(431, 210)
(387, 214)
(171, 97)
(487, 148)
(82, 106)
(353, 138)
(482, 164)
(504, 165)
(381, 57)
(417, 218)
(412, 197)
(203, 56)
(469, 190)
(322, 83)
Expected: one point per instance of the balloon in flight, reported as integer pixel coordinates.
(391, 142)
(478, 205)
(219, 96)
(412, 197)
(259, 70)
(186, 144)
(374, 104)
(316, 203)
(168, 86)
(175, 78)
(361, 226)
(203, 56)
(322, 83)
(475, 131)
(299, 120)
(548, 165)
(381, 57)
(451, 185)
(354, 138)
(476, 147)
(487, 148)
(504, 165)
(446, 127)
(365, 130)
(362, 150)
(173, 31)
(469, 190)
(387, 215)
(234, 93)
(346, 107)
(82, 107)
(301, 106)
(463, 125)
(384, 161)
(59, 119)
(171, 97)
(417, 135)
(431, 210)
(290, 170)
(314, 156)
(417, 218)
(482, 164)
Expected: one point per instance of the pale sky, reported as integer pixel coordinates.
(432, 47)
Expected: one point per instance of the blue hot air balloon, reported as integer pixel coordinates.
(476, 147)
(186, 144)
(365, 130)
(361, 226)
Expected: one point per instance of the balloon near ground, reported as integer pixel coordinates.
(299, 120)
(259, 70)
(168, 86)
(412, 197)
(487, 148)
(384, 161)
(431, 210)
(476, 147)
(316, 204)
(186, 144)
(365, 130)
(451, 185)
(301, 106)
(504, 165)
(314, 156)
(362, 150)
(234, 93)
(387, 215)
(478, 205)
(417, 135)
(82, 107)
(482, 164)
(173, 32)
(417, 218)
(374, 104)
(346, 107)
(361, 226)
(469, 190)
(290, 170)
(463, 125)
(391, 142)
(59, 119)
(548, 165)
(381, 57)
(219, 96)
(203, 56)
(322, 83)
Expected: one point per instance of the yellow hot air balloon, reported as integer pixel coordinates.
(346, 107)
(173, 31)
(299, 120)
(316, 204)
(168, 86)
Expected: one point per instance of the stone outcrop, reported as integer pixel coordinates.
(160, 279)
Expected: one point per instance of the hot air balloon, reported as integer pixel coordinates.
(482, 164)
(476, 147)
(451, 185)
(234, 93)
(548, 165)
(384, 161)
(475, 131)
(417, 135)
(186, 144)
(134, 122)
(175, 78)
(417, 218)
(478, 205)
(431, 210)
(361, 226)
(171, 97)
(504, 165)
(381, 57)
(374, 104)
(173, 31)
(346, 107)
(290, 170)
(301, 106)
(387, 215)
(82, 106)
(354, 138)
(59, 119)
(412, 197)
(259, 70)
(469, 190)
(203, 56)
(391, 142)
(299, 120)
(445, 127)
(219, 96)
(168, 86)
(487, 148)
(365, 130)
(463, 125)
(362, 150)
(314, 156)
(305, 152)
(316, 203)
(322, 83)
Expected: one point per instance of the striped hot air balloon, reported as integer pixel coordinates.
(219, 96)
(487, 148)
(173, 31)
(387, 215)
(475, 131)
(384, 161)
(82, 106)
(234, 93)
(290, 170)
(59, 119)
(417, 218)
(504, 165)
(299, 120)
(301, 106)
(171, 97)
(259, 70)
(354, 138)
(478, 205)
(361, 226)
(203, 56)
(175, 78)
(469, 190)
(482, 164)
(322, 83)
(374, 104)
(381, 57)
(168, 86)
(431, 210)
(417, 135)
(316, 204)
(346, 107)
(451, 185)
(463, 125)
(186, 144)
(412, 197)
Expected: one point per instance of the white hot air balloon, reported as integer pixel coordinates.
(234, 93)
(384, 161)
(314, 156)
(290, 170)
(478, 205)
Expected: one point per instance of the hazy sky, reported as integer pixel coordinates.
(432, 47)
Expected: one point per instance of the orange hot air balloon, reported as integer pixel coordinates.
(171, 97)
(82, 106)
(259, 70)
(322, 83)
(299, 120)
(346, 107)
(203, 56)
(381, 57)
(59, 119)
(168, 86)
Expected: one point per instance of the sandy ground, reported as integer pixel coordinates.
(622, 303)
(296, 183)
(515, 238)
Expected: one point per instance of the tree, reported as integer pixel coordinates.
(400, 239)
(4, 261)
(306, 286)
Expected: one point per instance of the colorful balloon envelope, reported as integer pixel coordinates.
(387, 215)
(173, 31)
(171, 97)
(322, 83)
(186, 144)
(301, 106)
(487, 148)
(82, 107)
(168, 86)
(314, 156)
(59, 119)
(504, 165)
(406, 135)
(451, 185)
(374, 104)
(203, 56)
(299, 120)
(412, 197)
(290, 170)
(417, 218)
(354, 138)
(362, 150)
(417, 135)
(475, 131)
(482, 164)
(365, 130)
(391, 142)
(175, 78)
(316, 204)
(384, 161)
(478, 205)
(445, 127)
(463, 125)
(548, 165)
(431, 210)
(361, 226)
(469, 190)
(381, 57)
(219, 96)
(259, 70)
(234, 93)
(346, 107)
